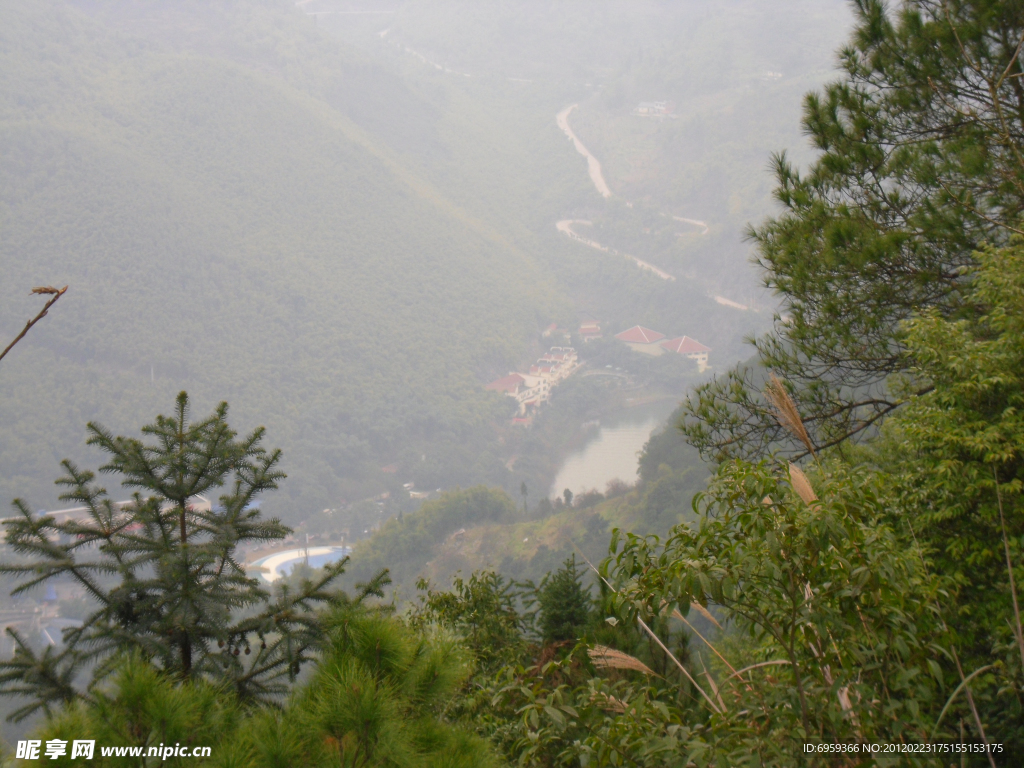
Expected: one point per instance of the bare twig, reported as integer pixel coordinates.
(755, 666)
(952, 696)
(1013, 60)
(864, 424)
(48, 290)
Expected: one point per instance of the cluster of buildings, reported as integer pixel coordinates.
(650, 342)
(534, 387)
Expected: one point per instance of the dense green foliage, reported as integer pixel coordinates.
(833, 600)
(373, 700)
(954, 457)
(483, 610)
(405, 543)
(140, 706)
(270, 226)
(543, 701)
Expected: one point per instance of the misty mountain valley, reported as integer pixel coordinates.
(451, 384)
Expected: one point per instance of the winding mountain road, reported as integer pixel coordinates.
(565, 226)
(593, 166)
(697, 223)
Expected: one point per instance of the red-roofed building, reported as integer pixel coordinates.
(692, 348)
(509, 385)
(525, 388)
(642, 340)
(534, 386)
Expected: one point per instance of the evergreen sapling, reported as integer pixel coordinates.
(162, 568)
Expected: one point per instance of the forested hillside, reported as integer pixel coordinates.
(731, 76)
(481, 528)
(228, 233)
(350, 243)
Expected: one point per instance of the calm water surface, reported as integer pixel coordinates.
(612, 451)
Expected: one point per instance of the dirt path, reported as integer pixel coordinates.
(565, 226)
(593, 166)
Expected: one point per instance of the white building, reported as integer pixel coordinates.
(691, 348)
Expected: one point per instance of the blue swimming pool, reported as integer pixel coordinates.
(272, 567)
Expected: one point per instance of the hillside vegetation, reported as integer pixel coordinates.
(256, 205)
(226, 232)
(480, 528)
(731, 74)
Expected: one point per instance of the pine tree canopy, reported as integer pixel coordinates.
(919, 165)
(162, 567)
(564, 604)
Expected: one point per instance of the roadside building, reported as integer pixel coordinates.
(691, 348)
(543, 370)
(642, 340)
(556, 364)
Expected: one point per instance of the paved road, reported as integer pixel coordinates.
(593, 166)
(565, 226)
(703, 225)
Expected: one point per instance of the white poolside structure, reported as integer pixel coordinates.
(280, 564)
